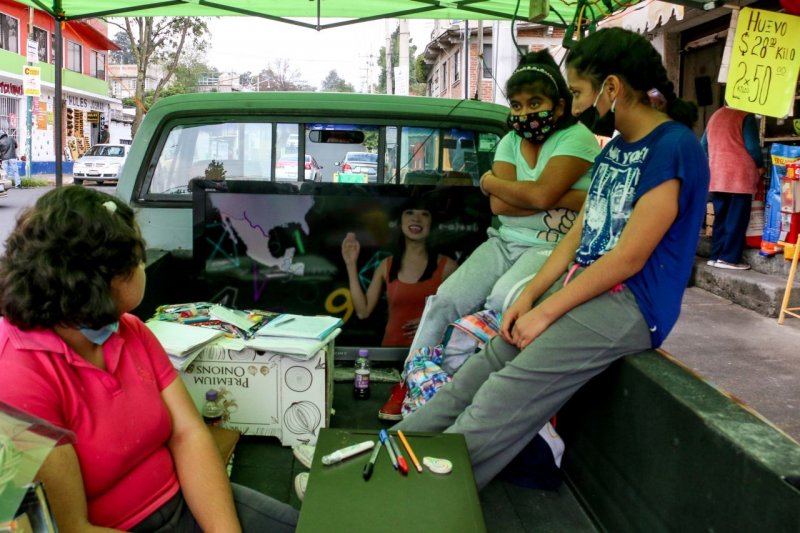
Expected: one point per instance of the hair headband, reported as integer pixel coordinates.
(540, 70)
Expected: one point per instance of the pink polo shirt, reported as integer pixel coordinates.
(120, 422)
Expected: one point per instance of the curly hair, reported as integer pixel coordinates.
(538, 73)
(633, 58)
(61, 257)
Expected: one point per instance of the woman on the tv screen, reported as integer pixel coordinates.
(410, 274)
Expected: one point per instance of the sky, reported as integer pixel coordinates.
(242, 44)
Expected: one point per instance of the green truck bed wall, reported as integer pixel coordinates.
(651, 447)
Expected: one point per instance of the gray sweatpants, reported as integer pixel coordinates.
(502, 396)
(482, 281)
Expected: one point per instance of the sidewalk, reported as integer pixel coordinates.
(742, 352)
(51, 178)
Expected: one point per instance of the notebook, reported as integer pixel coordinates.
(298, 347)
(304, 327)
(180, 340)
(181, 362)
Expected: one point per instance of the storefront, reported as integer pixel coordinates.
(84, 115)
(10, 96)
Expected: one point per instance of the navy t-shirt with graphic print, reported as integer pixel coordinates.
(623, 172)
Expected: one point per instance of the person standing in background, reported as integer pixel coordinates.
(736, 164)
(105, 136)
(8, 155)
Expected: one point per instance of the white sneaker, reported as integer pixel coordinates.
(304, 453)
(731, 266)
(300, 484)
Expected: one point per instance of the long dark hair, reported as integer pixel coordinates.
(631, 57)
(536, 74)
(399, 248)
(61, 257)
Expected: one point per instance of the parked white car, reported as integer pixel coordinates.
(5, 185)
(101, 163)
(286, 169)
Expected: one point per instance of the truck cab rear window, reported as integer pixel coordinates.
(318, 152)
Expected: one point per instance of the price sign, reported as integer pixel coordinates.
(33, 51)
(765, 62)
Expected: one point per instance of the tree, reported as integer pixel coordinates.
(147, 99)
(334, 84)
(416, 86)
(162, 41)
(247, 79)
(280, 76)
(188, 73)
(123, 56)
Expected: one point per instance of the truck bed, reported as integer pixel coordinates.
(261, 463)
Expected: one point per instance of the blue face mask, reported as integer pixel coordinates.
(100, 336)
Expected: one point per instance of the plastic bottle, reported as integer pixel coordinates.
(212, 410)
(361, 377)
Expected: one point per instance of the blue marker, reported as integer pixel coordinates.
(385, 440)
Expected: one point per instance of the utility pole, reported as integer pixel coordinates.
(466, 60)
(402, 72)
(479, 61)
(29, 104)
(389, 69)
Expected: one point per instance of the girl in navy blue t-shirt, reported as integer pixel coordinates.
(613, 285)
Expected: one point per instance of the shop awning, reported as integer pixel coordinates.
(561, 12)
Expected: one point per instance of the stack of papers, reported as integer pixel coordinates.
(300, 327)
(300, 348)
(182, 342)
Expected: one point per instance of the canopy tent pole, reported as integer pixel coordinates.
(57, 105)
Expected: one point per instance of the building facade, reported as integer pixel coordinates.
(218, 82)
(445, 57)
(123, 79)
(86, 102)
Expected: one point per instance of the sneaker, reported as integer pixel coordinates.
(304, 453)
(731, 266)
(392, 409)
(300, 484)
(711, 262)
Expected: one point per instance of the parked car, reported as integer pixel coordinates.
(5, 185)
(360, 163)
(286, 169)
(101, 163)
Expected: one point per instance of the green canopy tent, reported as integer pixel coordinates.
(547, 12)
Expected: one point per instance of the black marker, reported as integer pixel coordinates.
(371, 464)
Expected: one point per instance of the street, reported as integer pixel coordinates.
(17, 200)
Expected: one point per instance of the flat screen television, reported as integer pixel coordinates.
(277, 247)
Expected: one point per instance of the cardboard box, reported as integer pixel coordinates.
(266, 393)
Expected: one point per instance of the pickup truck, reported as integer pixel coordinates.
(650, 445)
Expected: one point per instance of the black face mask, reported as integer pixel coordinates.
(591, 118)
(598, 125)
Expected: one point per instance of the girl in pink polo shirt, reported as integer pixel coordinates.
(71, 354)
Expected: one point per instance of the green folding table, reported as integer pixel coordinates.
(338, 499)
